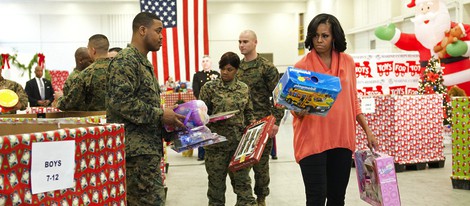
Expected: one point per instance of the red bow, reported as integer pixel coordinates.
(429, 90)
(5, 60)
(41, 59)
(432, 77)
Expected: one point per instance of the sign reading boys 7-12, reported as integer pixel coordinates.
(52, 166)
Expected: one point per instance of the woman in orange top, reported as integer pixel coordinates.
(323, 146)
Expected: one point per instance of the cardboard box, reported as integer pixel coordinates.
(302, 89)
(376, 178)
(56, 114)
(252, 144)
(99, 175)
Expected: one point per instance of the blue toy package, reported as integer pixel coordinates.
(194, 138)
(300, 89)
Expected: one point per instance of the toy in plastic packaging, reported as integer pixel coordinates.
(195, 137)
(300, 89)
(195, 112)
(252, 144)
(376, 178)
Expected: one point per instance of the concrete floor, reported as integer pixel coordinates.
(187, 181)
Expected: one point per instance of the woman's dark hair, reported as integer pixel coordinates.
(229, 58)
(339, 43)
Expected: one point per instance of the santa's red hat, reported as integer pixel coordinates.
(415, 2)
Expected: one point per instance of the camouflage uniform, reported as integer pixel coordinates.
(88, 90)
(18, 89)
(68, 81)
(133, 98)
(262, 77)
(223, 97)
(73, 75)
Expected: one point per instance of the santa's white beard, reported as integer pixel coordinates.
(433, 32)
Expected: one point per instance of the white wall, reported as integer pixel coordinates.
(275, 24)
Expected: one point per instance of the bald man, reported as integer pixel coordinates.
(261, 76)
(39, 90)
(82, 61)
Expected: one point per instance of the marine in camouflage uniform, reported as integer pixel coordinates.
(222, 97)
(17, 88)
(262, 77)
(82, 61)
(134, 99)
(88, 89)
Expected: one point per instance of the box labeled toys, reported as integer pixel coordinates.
(376, 178)
(300, 89)
(252, 144)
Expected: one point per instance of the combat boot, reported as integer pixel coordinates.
(261, 201)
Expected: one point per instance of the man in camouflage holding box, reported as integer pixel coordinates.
(261, 76)
(134, 99)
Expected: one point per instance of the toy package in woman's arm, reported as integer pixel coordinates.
(222, 115)
(252, 144)
(376, 178)
(196, 133)
(300, 89)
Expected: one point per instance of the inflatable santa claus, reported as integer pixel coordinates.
(432, 26)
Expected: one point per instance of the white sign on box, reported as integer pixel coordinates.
(52, 166)
(367, 105)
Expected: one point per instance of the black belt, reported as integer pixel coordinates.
(444, 61)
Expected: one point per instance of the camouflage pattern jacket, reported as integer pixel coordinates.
(262, 77)
(223, 97)
(68, 81)
(133, 98)
(88, 89)
(18, 89)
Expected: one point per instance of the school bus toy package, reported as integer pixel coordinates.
(300, 89)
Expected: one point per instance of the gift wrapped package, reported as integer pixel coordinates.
(300, 89)
(195, 112)
(252, 144)
(98, 164)
(376, 178)
(461, 143)
(407, 127)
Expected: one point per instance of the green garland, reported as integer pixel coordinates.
(25, 68)
(21, 66)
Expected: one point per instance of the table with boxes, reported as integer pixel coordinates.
(98, 160)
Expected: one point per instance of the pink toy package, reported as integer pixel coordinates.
(376, 178)
(195, 112)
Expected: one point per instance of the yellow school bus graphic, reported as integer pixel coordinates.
(312, 101)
